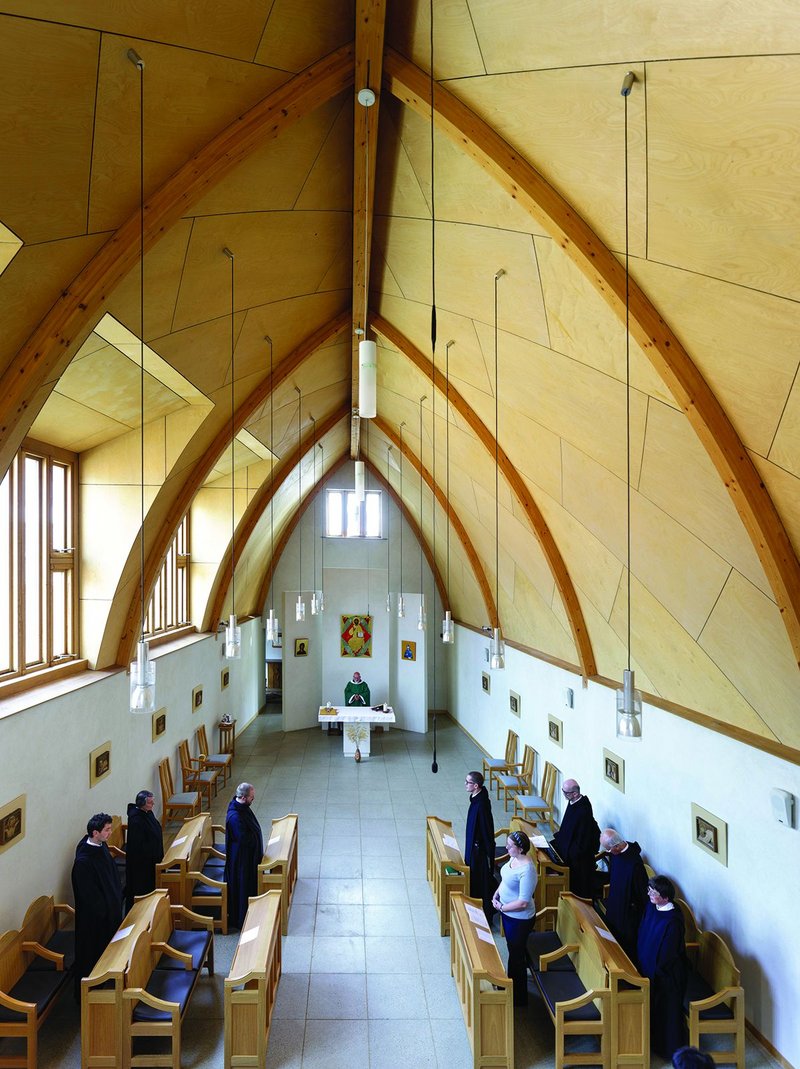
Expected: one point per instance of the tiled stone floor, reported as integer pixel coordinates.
(366, 977)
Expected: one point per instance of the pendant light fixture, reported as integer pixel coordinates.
(497, 659)
(321, 594)
(401, 605)
(388, 536)
(367, 350)
(300, 607)
(273, 625)
(359, 481)
(434, 763)
(233, 633)
(421, 615)
(142, 698)
(629, 700)
(314, 599)
(448, 631)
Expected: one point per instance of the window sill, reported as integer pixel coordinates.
(39, 687)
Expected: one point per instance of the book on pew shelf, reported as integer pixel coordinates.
(451, 871)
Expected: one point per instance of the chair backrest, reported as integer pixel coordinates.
(202, 740)
(549, 777)
(165, 779)
(689, 923)
(183, 754)
(511, 747)
(528, 757)
(715, 962)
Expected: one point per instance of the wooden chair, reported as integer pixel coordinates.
(715, 999)
(539, 807)
(519, 780)
(195, 776)
(223, 762)
(185, 804)
(494, 765)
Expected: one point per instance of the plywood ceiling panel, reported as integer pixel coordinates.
(47, 80)
(720, 201)
(785, 449)
(532, 621)
(456, 48)
(328, 186)
(205, 94)
(784, 490)
(300, 31)
(71, 425)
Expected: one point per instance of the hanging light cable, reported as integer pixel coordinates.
(233, 633)
(321, 597)
(314, 599)
(497, 659)
(629, 700)
(300, 607)
(401, 604)
(142, 698)
(273, 625)
(388, 535)
(367, 350)
(448, 631)
(421, 624)
(421, 616)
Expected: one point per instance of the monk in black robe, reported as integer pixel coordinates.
(244, 849)
(98, 896)
(577, 840)
(662, 958)
(479, 843)
(627, 890)
(144, 848)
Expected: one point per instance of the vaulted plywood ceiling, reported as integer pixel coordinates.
(341, 217)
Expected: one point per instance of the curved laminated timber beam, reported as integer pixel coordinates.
(552, 554)
(256, 509)
(42, 358)
(452, 515)
(598, 264)
(211, 439)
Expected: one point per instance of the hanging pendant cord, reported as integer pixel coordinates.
(233, 445)
(497, 277)
(628, 379)
(140, 67)
(271, 486)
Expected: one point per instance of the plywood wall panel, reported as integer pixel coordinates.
(298, 32)
(456, 48)
(328, 186)
(531, 621)
(785, 493)
(785, 450)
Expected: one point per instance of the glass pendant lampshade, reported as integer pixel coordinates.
(233, 638)
(367, 379)
(422, 619)
(359, 480)
(388, 602)
(314, 603)
(272, 626)
(143, 681)
(401, 607)
(497, 647)
(300, 609)
(320, 601)
(448, 632)
(629, 708)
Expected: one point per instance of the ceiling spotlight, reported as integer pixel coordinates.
(359, 332)
(366, 97)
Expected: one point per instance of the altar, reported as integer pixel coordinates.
(356, 725)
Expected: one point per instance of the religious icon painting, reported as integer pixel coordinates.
(408, 650)
(197, 698)
(224, 679)
(99, 763)
(486, 683)
(614, 770)
(710, 834)
(555, 730)
(356, 636)
(159, 723)
(12, 823)
(514, 702)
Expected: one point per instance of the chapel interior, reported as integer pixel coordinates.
(572, 232)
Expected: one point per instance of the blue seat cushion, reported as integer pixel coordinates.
(171, 985)
(696, 990)
(214, 865)
(61, 942)
(204, 891)
(562, 986)
(545, 943)
(194, 943)
(39, 987)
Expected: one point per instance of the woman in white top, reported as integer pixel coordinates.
(513, 899)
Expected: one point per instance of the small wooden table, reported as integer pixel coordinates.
(227, 738)
(356, 725)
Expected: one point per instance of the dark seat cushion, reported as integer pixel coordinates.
(545, 943)
(194, 943)
(561, 987)
(39, 987)
(62, 942)
(213, 866)
(171, 985)
(204, 891)
(696, 990)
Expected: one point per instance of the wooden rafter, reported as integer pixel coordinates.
(117, 647)
(659, 343)
(51, 346)
(459, 528)
(369, 29)
(544, 536)
(255, 510)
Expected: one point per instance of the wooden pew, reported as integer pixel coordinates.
(591, 988)
(278, 868)
(192, 870)
(103, 1008)
(715, 999)
(485, 992)
(441, 856)
(36, 967)
(251, 986)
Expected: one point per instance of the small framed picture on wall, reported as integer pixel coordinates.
(514, 702)
(555, 730)
(614, 770)
(486, 683)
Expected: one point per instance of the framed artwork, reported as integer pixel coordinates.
(99, 763)
(197, 698)
(514, 702)
(486, 683)
(301, 647)
(614, 770)
(278, 643)
(12, 823)
(224, 679)
(159, 723)
(408, 650)
(555, 730)
(710, 834)
(356, 636)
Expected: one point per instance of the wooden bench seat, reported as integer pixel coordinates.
(193, 871)
(714, 1003)
(252, 983)
(278, 868)
(444, 867)
(36, 967)
(590, 988)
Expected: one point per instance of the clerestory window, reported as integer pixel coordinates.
(346, 517)
(169, 605)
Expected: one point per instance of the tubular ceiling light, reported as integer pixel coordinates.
(497, 658)
(233, 633)
(321, 593)
(367, 379)
(448, 634)
(300, 607)
(388, 536)
(314, 598)
(359, 481)
(448, 631)
(421, 617)
(273, 625)
(401, 604)
(142, 695)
